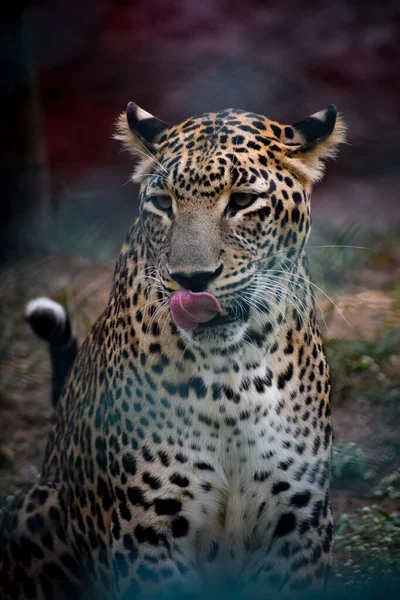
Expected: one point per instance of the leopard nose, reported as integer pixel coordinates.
(198, 281)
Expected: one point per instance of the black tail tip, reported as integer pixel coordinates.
(49, 321)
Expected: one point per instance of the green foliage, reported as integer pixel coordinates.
(357, 354)
(368, 543)
(348, 462)
(388, 487)
(361, 368)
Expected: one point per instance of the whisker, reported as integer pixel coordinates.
(271, 295)
(326, 296)
(302, 303)
(340, 246)
(322, 292)
(151, 155)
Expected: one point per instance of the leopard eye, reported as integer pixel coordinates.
(240, 200)
(164, 203)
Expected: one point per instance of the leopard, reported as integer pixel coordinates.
(192, 435)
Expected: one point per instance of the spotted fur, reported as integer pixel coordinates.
(180, 457)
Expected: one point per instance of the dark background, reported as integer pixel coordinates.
(69, 68)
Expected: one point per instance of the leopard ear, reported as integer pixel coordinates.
(138, 129)
(311, 141)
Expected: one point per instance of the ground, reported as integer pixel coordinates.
(359, 305)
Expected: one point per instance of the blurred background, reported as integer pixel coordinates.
(69, 68)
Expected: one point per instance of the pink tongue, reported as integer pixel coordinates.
(189, 309)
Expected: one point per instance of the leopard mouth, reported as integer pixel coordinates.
(192, 310)
(238, 314)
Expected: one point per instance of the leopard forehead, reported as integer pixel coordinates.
(231, 127)
(233, 137)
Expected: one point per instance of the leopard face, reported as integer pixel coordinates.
(225, 204)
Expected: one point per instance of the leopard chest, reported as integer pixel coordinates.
(240, 423)
(225, 451)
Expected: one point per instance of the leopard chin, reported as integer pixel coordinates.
(219, 335)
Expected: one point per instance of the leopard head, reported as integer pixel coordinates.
(225, 198)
